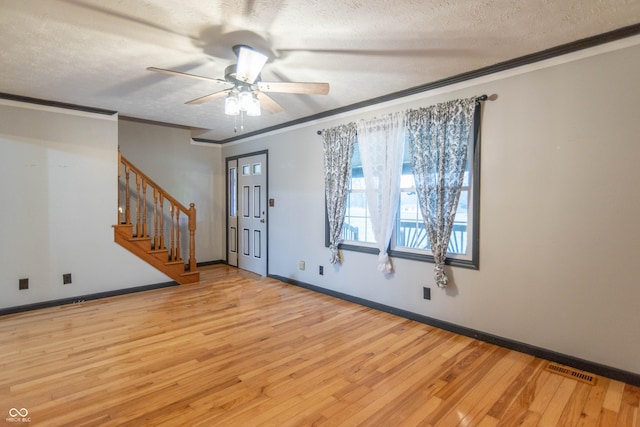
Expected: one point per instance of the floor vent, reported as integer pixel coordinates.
(568, 372)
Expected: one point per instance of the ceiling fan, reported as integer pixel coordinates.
(246, 94)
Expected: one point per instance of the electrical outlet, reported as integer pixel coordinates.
(66, 279)
(23, 284)
(321, 270)
(426, 293)
(301, 265)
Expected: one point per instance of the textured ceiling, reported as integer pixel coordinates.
(95, 53)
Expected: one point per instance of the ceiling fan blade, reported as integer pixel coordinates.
(208, 98)
(193, 76)
(250, 63)
(391, 53)
(295, 87)
(268, 103)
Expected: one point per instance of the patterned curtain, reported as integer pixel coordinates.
(438, 141)
(381, 143)
(338, 150)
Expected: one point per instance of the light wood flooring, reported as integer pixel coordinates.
(237, 350)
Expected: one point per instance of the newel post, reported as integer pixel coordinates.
(192, 237)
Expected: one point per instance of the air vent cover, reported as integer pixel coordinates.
(568, 372)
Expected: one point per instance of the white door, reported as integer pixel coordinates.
(252, 213)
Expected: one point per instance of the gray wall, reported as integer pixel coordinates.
(59, 202)
(559, 210)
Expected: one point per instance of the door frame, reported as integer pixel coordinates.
(227, 207)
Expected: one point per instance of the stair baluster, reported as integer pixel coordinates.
(127, 208)
(177, 234)
(161, 220)
(156, 241)
(172, 253)
(192, 237)
(138, 179)
(145, 232)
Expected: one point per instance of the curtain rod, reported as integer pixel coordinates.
(478, 99)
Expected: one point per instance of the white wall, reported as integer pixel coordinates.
(59, 202)
(192, 173)
(559, 210)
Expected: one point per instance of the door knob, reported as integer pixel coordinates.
(262, 220)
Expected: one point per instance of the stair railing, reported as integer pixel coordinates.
(162, 222)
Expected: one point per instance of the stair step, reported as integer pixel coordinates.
(141, 242)
(187, 273)
(161, 254)
(125, 230)
(176, 267)
(190, 277)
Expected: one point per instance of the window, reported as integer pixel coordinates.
(233, 192)
(410, 238)
(357, 222)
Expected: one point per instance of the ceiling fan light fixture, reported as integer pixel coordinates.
(245, 100)
(232, 104)
(254, 106)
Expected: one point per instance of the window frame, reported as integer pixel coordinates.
(474, 237)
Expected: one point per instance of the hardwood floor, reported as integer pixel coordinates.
(236, 350)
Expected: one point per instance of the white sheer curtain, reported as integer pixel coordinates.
(381, 143)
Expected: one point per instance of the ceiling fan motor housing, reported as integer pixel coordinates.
(230, 76)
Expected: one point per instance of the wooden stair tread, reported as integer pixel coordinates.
(189, 273)
(158, 251)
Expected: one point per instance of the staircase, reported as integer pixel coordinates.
(172, 225)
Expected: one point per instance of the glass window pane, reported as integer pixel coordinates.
(357, 183)
(463, 207)
(459, 239)
(465, 179)
(407, 181)
(411, 234)
(358, 204)
(233, 192)
(409, 207)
